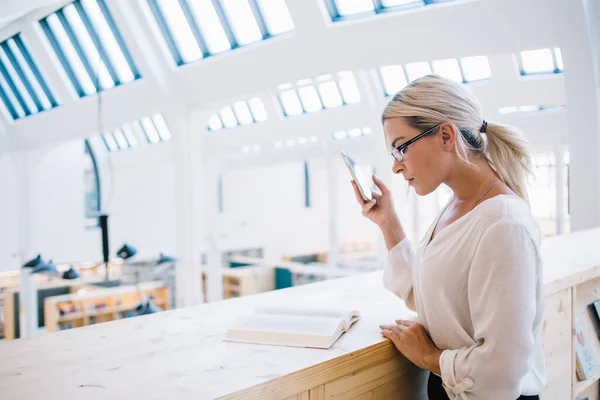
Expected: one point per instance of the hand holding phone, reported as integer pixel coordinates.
(363, 186)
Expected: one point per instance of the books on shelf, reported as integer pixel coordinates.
(584, 356)
(594, 309)
(293, 326)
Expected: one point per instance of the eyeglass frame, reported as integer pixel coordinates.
(400, 148)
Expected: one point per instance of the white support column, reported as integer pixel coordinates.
(334, 229)
(214, 278)
(24, 167)
(581, 87)
(188, 279)
(559, 157)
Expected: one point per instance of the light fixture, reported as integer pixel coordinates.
(126, 252)
(163, 258)
(70, 274)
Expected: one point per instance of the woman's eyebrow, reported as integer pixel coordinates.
(395, 140)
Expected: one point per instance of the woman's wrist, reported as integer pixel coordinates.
(392, 231)
(432, 361)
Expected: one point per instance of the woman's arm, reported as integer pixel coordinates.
(502, 290)
(398, 275)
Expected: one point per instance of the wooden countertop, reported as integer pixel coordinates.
(180, 353)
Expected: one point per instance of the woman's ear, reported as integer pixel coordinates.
(448, 135)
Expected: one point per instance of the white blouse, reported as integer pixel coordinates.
(478, 290)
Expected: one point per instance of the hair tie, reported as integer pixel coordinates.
(483, 127)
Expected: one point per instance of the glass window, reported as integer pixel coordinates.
(242, 21)
(17, 84)
(310, 99)
(393, 3)
(276, 15)
(110, 142)
(120, 139)
(161, 127)
(350, 7)
(258, 109)
(448, 69)
(537, 61)
(393, 78)
(180, 30)
(559, 59)
(330, 93)
(214, 123)
(228, 117)
(417, 70)
(212, 31)
(348, 87)
(149, 130)
(129, 135)
(290, 103)
(476, 68)
(242, 112)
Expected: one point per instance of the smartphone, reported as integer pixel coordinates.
(363, 186)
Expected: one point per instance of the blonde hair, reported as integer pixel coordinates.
(431, 100)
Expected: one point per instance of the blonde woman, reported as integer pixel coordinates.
(475, 280)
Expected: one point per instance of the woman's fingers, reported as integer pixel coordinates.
(380, 185)
(357, 193)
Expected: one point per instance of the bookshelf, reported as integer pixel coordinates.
(86, 307)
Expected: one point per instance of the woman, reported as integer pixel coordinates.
(476, 278)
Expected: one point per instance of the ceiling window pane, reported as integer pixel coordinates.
(214, 123)
(393, 78)
(88, 47)
(242, 21)
(72, 58)
(559, 59)
(161, 127)
(476, 68)
(20, 89)
(129, 135)
(258, 109)
(242, 113)
(290, 102)
(109, 141)
(149, 130)
(417, 70)
(276, 15)
(180, 30)
(109, 42)
(348, 87)
(228, 117)
(537, 61)
(11, 102)
(351, 7)
(448, 69)
(31, 78)
(310, 99)
(330, 93)
(393, 3)
(120, 139)
(210, 26)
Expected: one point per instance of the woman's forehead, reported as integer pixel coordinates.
(396, 130)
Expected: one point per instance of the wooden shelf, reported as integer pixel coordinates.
(127, 298)
(582, 386)
(70, 317)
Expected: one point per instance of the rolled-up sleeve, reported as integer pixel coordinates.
(502, 301)
(398, 273)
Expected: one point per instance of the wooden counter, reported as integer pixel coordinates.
(180, 354)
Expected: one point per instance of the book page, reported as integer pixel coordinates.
(292, 324)
(348, 315)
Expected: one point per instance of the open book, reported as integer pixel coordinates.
(293, 326)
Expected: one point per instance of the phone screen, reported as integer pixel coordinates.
(363, 186)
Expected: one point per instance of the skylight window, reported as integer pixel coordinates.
(475, 68)
(23, 89)
(527, 109)
(417, 70)
(352, 133)
(154, 128)
(393, 78)
(323, 92)
(541, 61)
(448, 69)
(341, 9)
(195, 29)
(89, 46)
(239, 113)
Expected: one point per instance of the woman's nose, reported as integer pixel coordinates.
(397, 167)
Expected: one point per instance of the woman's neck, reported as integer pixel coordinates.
(470, 182)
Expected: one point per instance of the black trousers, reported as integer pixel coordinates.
(435, 390)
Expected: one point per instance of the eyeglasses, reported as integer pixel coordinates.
(398, 151)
